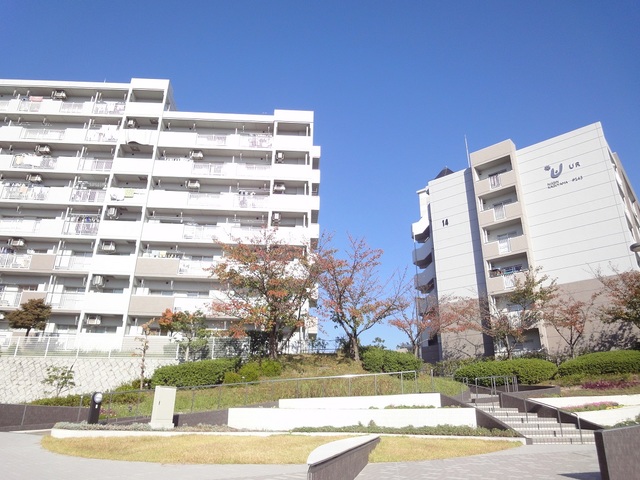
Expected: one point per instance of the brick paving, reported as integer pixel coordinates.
(22, 457)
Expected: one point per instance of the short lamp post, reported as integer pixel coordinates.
(94, 411)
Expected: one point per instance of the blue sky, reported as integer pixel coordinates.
(395, 85)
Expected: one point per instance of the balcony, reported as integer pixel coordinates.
(425, 279)
(15, 261)
(422, 254)
(499, 214)
(420, 229)
(495, 183)
(515, 244)
(500, 282)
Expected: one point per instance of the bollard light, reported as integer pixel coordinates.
(94, 409)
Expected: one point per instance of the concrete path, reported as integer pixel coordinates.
(22, 457)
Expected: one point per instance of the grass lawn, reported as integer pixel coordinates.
(277, 449)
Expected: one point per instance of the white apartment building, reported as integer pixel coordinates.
(113, 203)
(564, 205)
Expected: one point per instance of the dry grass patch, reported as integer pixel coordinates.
(277, 449)
(410, 449)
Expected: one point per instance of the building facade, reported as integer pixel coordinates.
(113, 203)
(564, 205)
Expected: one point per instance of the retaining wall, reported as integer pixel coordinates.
(21, 377)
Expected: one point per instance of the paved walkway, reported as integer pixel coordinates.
(22, 457)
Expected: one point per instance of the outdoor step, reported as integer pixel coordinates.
(566, 430)
(521, 418)
(573, 440)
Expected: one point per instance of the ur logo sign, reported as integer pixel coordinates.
(555, 172)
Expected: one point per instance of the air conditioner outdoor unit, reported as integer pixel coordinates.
(279, 157)
(34, 178)
(17, 242)
(59, 95)
(108, 247)
(193, 184)
(279, 188)
(275, 218)
(112, 212)
(132, 123)
(94, 320)
(196, 155)
(43, 150)
(97, 281)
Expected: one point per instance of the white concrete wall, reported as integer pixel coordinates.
(287, 419)
(576, 221)
(379, 401)
(456, 236)
(629, 407)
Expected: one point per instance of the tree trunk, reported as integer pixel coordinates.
(354, 348)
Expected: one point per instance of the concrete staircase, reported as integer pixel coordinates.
(539, 430)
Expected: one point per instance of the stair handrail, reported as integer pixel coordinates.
(558, 410)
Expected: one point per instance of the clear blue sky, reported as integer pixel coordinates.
(395, 86)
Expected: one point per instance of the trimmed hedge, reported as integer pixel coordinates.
(529, 371)
(378, 360)
(602, 363)
(190, 374)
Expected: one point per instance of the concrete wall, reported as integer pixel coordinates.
(618, 452)
(21, 377)
(276, 419)
(414, 400)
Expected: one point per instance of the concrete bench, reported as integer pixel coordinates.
(342, 459)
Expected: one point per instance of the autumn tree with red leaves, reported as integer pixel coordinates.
(623, 292)
(569, 318)
(189, 329)
(352, 296)
(269, 285)
(429, 321)
(531, 300)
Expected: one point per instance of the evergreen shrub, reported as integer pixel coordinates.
(190, 374)
(378, 360)
(602, 363)
(529, 371)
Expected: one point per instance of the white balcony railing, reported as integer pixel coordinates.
(14, 260)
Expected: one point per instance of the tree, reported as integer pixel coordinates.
(623, 292)
(526, 305)
(569, 318)
(60, 378)
(437, 317)
(33, 314)
(190, 331)
(529, 301)
(353, 297)
(144, 346)
(270, 285)
(413, 324)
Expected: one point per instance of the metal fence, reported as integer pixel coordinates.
(102, 345)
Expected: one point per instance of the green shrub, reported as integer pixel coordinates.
(601, 363)
(529, 371)
(378, 360)
(271, 368)
(232, 377)
(189, 374)
(68, 401)
(249, 372)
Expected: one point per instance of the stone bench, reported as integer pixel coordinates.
(341, 460)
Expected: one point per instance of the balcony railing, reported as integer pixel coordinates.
(33, 161)
(23, 191)
(14, 260)
(82, 225)
(86, 195)
(95, 164)
(42, 134)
